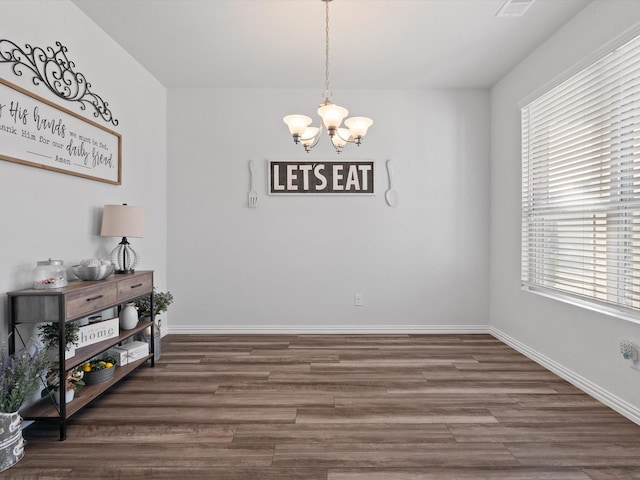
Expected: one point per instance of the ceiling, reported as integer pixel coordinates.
(373, 43)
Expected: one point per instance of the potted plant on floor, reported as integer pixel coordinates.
(19, 377)
(49, 335)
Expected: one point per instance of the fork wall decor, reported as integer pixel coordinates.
(52, 68)
(252, 200)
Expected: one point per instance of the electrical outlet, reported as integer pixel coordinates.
(358, 300)
(629, 351)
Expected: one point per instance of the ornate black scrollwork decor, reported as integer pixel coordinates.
(52, 68)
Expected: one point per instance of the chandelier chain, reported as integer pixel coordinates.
(331, 115)
(326, 51)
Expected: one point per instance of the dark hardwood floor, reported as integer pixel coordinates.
(343, 407)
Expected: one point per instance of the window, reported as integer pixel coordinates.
(581, 186)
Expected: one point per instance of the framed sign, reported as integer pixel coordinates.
(320, 177)
(36, 132)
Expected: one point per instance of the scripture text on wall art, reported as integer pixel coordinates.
(36, 132)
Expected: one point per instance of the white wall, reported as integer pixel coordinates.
(294, 263)
(46, 214)
(580, 344)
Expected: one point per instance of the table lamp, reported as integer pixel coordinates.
(123, 221)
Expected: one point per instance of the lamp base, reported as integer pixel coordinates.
(124, 257)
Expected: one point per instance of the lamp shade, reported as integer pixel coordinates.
(309, 135)
(358, 125)
(341, 139)
(122, 221)
(297, 123)
(332, 114)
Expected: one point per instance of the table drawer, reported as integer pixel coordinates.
(91, 299)
(134, 287)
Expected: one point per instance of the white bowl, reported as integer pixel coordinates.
(99, 272)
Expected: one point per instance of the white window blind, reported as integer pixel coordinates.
(581, 186)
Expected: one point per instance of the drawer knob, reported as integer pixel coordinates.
(94, 298)
(136, 286)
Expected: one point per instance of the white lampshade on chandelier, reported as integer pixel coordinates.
(331, 115)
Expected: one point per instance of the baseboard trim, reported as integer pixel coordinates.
(328, 330)
(616, 403)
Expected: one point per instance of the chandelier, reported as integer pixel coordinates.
(331, 115)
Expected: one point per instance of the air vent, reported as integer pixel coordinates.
(514, 8)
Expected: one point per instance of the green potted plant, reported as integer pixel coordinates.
(161, 301)
(19, 377)
(49, 333)
(73, 383)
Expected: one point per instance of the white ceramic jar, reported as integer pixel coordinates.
(129, 317)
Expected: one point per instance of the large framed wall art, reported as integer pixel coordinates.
(36, 132)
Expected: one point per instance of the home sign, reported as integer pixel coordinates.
(321, 177)
(99, 331)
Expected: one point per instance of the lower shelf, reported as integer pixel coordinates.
(46, 408)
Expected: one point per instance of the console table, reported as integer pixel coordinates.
(78, 300)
